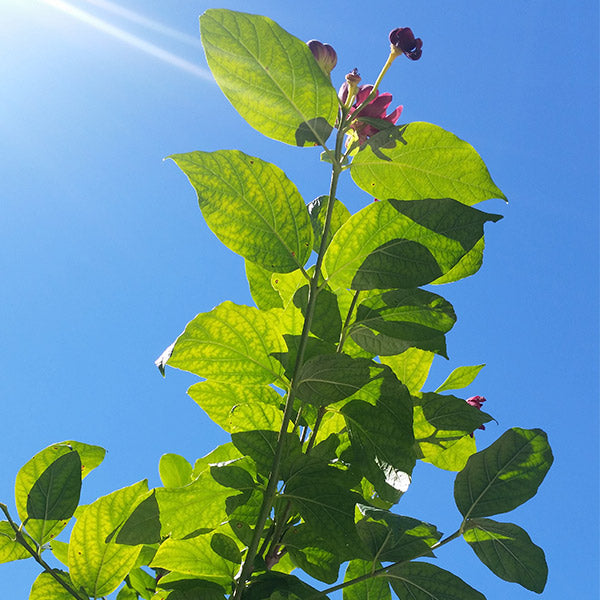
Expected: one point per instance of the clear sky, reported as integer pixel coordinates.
(104, 256)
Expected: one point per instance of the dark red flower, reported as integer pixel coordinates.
(403, 40)
(477, 402)
(376, 109)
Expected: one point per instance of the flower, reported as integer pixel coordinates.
(403, 41)
(476, 401)
(324, 54)
(376, 109)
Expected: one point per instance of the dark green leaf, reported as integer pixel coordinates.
(430, 162)
(375, 588)
(422, 581)
(391, 537)
(143, 525)
(191, 589)
(314, 347)
(232, 343)
(394, 244)
(279, 586)
(55, 495)
(504, 475)
(508, 552)
(326, 322)
(226, 548)
(391, 322)
(174, 470)
(269, 76)
(314, 554)
(460, 378)
(251, 206)
(317, 209)
(323, 380)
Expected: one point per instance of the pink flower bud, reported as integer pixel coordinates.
(324, 55)
(476, 401)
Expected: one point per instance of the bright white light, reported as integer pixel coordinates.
(129, 38)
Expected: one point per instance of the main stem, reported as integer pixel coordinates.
(269, 496)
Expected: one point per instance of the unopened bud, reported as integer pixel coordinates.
(403, 41)
(324, 55)
(350, 86)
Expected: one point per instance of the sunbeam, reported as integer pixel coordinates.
(129, 38)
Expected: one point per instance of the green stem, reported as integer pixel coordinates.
(36, 553)
(383, 572)
(344, 332)
(271, 490)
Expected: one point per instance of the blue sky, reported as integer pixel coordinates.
(104, 255)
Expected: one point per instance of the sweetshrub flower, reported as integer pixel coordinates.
(324, 54)
(477, 402)
(376, 109)
(403, 41)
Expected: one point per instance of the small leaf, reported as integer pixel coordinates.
(45, 587)
(394, 321)
(226, 548)
(95, 565)
(263, 293)
(143, 583)
(60, 551)
(460, 378)
(431, 163)
(174, 470)
(10, 549)
(317, 209)
(375, 588)
(143, 524)
(326, 321)
(411, 367)
(423, 581)
(508, 552)
(231, 343)
(505, 475)
(251, 206)
(270, 77)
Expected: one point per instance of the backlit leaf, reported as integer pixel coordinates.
(174, 470)
(10, 549)
(460, 378)
(143, 524)
(269, 76)
(251, 206)
(263, 293)
(317, 209)
(45, 587)
(508, 552)
(375, 588)
(504, 475)
(431, 163)
(411, 367)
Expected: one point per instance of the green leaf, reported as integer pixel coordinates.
(411, 367)
(221, 401)
(231, 343)
(269, 76)
(143, 583)
(60, 551)
(44, 530)
(422, 581)
(393, 321)
(143, 524)
(505, 475)
(221, 454)
(326, 321)
(96, 565)
(508, 552)
(402, 244)
(196, 557)
(261, 444)
(174, 470)
(389, 537)
(197, 506)
(128, 593)
(10, 549)
(279, 586)
(45, 587)
(469, 264)
(441, 421)
(226, 548)
(317, 209)
(251, 206)
(181, 588)
(453, 457)
(313, 553)
(375, 588)
(429, 163)
(460, 378)
(322, 496)
(55, 494)
(263, 293)
(323, 380)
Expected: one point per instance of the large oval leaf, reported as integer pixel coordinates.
(269, 76)
(251, 206)
(231, 343)
(504, 475)
(427, 162)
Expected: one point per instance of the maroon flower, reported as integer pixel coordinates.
(477, 402)
(403, 41)
(324, 54)
(376, 109)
